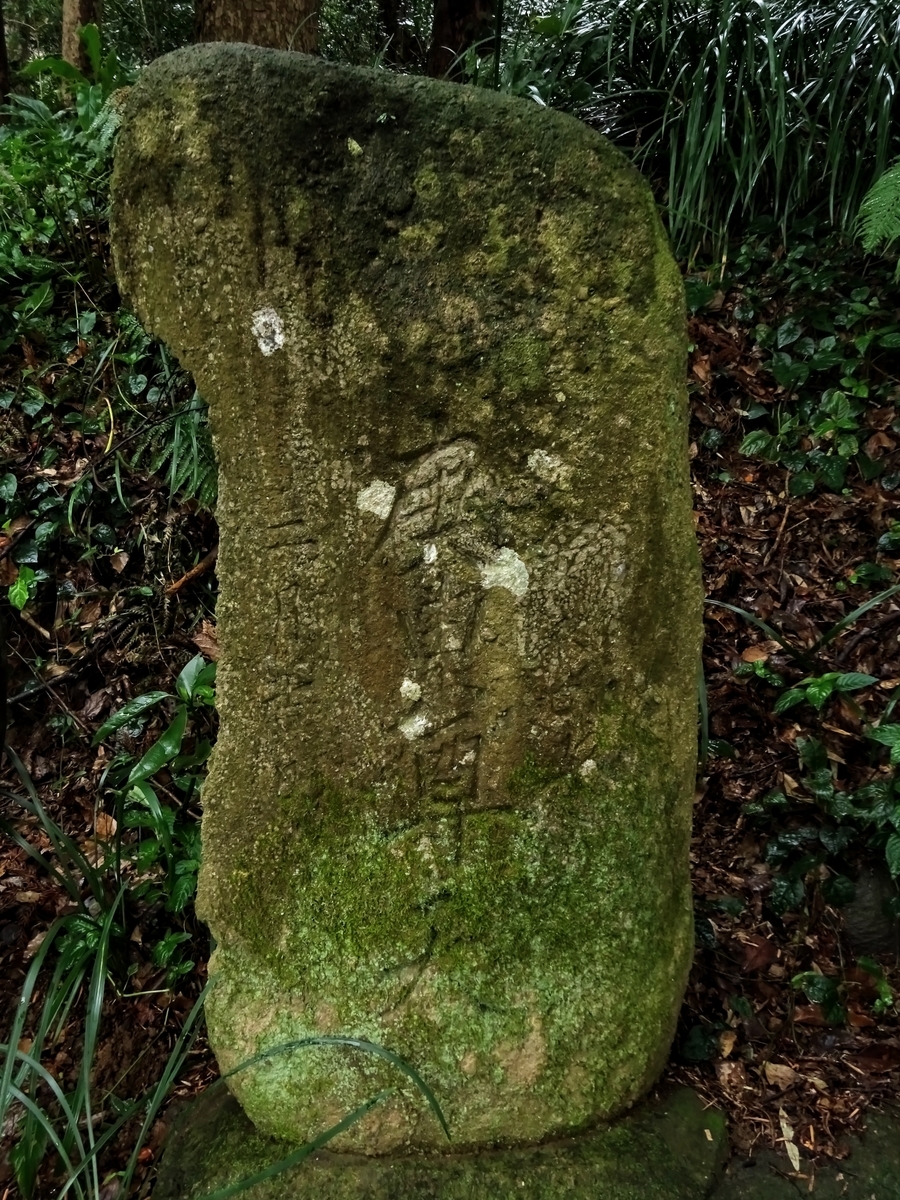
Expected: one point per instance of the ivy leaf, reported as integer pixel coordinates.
(788, 332)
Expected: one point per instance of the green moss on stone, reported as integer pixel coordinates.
(672, 1149)
(479, 318)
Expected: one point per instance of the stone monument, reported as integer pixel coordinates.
(442, 339)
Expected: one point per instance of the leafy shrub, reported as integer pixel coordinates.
(737, 108)
(825, 328)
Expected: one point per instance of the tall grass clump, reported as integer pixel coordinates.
(734, 108)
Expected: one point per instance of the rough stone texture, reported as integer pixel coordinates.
(442, 338)
(867, 920)
(671, 1149)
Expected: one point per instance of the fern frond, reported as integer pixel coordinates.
(178, 449)
(879, 214)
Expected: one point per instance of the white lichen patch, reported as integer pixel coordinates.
(430, 553)
(414, 727)
(548, 467)
(587, 768)
(507, 571)
(268, 329)
(410, 690)
(377, 498)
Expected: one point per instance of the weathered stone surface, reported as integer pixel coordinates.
(670, 1149)
(442, 338)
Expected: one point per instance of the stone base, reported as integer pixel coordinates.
(668, 1149)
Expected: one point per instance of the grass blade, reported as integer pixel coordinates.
(234, 1189)
(355, 1044)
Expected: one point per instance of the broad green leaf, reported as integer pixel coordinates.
(54, 66)
(163, 750)
(820, 989)
(190, 674)
(887, 735)
(802, 483)
(818, 690)
(892, 854)
(759, 443)
(125, 715)
(788, 700)
(788, 332)
(86, 321)
(8, 485)
(23, 588)
(852, 681)
(90, 39)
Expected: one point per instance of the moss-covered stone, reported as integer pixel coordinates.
(671, 1149)
(442, 338)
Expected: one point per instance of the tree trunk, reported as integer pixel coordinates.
(390, 23)
(5, 87)
(281, 24)
(75, 14)
(457, 25)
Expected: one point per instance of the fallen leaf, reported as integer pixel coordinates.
(28, 897)
(90, 613)
(793, 1154)
(731, 1074)
(9, 571)
(95, 703)
(759, 952)
(105, 826)
(206, 640)
(727, 1039)
(790, 785)
(818, 1083)
(858, 1019)
(34, 945)
(701, 369)
(809, 1014)
(119, 561)
(780, 1075)
(787, 1131)
(755, 654)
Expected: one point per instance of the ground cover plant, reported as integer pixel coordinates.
(107, 547)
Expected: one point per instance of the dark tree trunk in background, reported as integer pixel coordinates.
(458, 24)
(4, 74)
(390, 23)
(403, 44)
(281, 24)
(76, 13)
